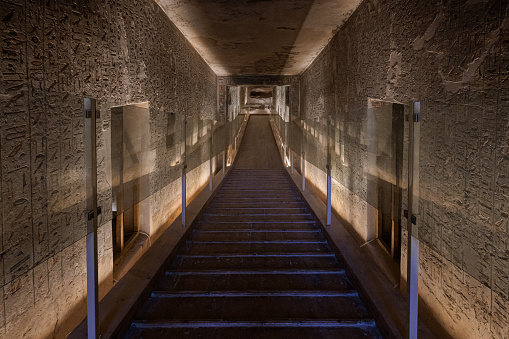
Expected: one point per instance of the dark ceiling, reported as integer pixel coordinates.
(258, 37)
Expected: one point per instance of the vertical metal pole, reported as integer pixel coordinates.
(328, 166)
(303, 153)
(413, 248)
(285, 139)
(290, 128)
(413, 236)
(329, 195)
(224, 161)
(91, 239)
(303, 173)
(184, 195)
(184, 167)
(211, 154)
(210, 174)
(291, 159)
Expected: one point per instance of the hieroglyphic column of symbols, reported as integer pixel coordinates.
(175, 102)
(38, 128)
(155, 67)
(107, 46)
(501, 305)
(486, 243)
(90, 79)
(3, 90)
(66, 108)
(15, 143)
(295, 96)
(221, 102)
(71, 86)
(183, 84)
(56, 219)
(182, 79)
(153, 64)
(113, 48)
(498, 67)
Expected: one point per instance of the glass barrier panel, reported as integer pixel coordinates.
(315, 132)
(295, 136)
(198, 142)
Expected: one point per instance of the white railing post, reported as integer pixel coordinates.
(329, 195)
(211, 174)
(184, 170)
(184, 195)
(413, 234)
(303, 173)
(291, 159)
(224, 161)
(92, 219)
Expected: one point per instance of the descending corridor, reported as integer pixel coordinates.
(256, 264)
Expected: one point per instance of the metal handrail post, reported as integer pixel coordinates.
(413, 235)
(92, 220)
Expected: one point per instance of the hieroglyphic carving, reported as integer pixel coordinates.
(15, 144)
(221, 102)
(114, 51)
(71, 19)
(295, 98)
(38, 126)
(269, 80)
(459, 74)
(69, 186)
(53, 100)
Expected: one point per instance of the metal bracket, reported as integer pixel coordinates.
(91, 213)
(88, 114)
(415, 117)
(414, 218)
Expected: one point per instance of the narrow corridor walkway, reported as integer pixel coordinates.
(256, 266)
(258, 149)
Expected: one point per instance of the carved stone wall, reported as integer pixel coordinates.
(233, 102)
(269, 80)
(55, 53)
(453, 57)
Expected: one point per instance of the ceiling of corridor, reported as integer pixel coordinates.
(258, 37)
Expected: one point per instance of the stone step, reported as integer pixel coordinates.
(282, 181)
(285, 225)
(241, 247)
(255, 261)
(242, 235)
(257, 308)
(260, 204)
(265, 182)
(257, 210)
(256, 201)
(258, 196)
(209, 217)
(305, 281)
(252, 175)
(296, 329)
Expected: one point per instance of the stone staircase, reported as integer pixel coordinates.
(256, 266)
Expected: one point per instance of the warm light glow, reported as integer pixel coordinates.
(229, 157)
